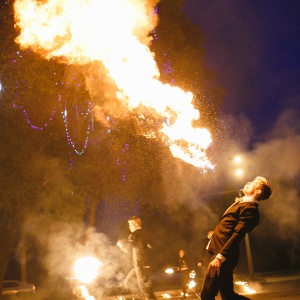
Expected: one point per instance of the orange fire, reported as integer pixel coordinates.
(86, 269)
(116, 33)
(84, 293)
(245, 287)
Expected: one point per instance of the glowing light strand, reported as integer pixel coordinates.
(124, 163)
(167, 65)
(68, 135)
(24, 111)
(53, 113)
(29, 121)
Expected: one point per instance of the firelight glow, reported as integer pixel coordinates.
(86, 269)
(116, 33)
(85, 293)
(169, 271)
(192, 284)
(245, 287)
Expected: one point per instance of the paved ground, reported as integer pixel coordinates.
(277, 287)
(266, 287)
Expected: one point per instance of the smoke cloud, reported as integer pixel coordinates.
(64, 243)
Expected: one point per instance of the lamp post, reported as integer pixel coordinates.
(239, 172)
(248, 250)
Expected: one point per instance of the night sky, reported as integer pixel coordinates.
(253, 48)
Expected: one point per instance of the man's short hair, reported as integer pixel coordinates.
(266, 189)
(136, 219)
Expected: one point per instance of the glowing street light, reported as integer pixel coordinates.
(237, 159)
(239, 172)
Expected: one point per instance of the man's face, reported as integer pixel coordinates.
(133, 225)
(252, 188)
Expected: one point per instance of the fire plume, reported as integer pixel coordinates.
(116, 33)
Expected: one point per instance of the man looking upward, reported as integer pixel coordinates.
(238, 220)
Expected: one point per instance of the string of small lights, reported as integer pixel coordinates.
(20, 107)
(70, 141)
(123, 163)
(167, 64)
(64, 113)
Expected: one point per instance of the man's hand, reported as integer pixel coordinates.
(214, 267)
(121, 245)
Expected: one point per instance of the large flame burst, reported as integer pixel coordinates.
(116, 33)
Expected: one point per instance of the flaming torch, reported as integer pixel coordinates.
(116, 33)
(86, 270)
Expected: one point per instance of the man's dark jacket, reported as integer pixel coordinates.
(138, 242)
(239, 219)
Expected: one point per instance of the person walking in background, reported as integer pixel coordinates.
(137, 279)
(184, 269)
(238, 220)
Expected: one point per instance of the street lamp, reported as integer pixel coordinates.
(237, 159)
(239, 172)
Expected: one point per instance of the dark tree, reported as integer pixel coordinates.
(39, 186)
